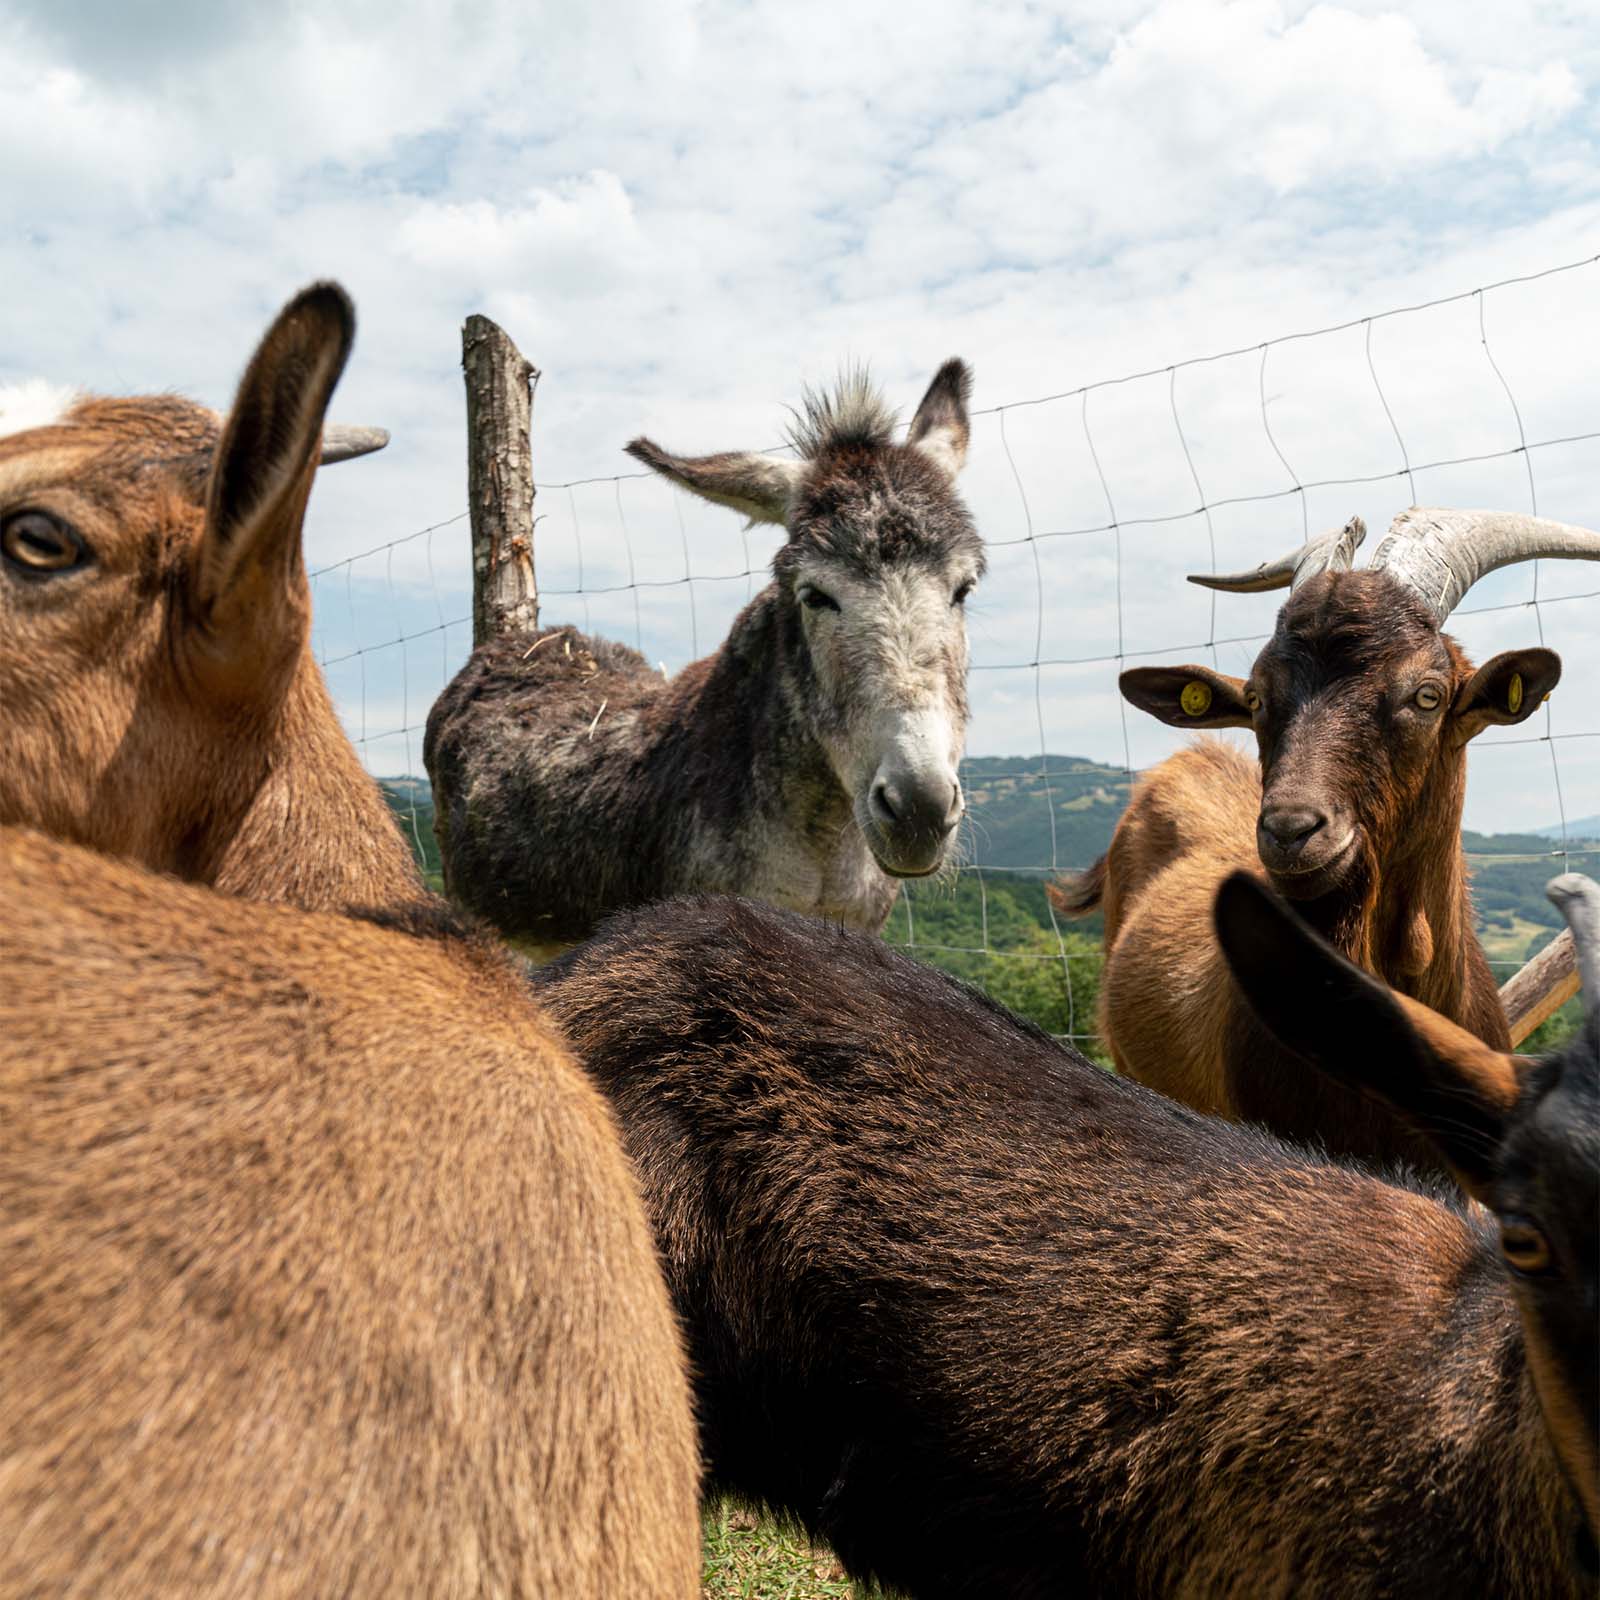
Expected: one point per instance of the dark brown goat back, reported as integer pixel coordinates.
(992, 1321)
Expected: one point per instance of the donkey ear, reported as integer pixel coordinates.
(1507, 689)
(940, 429)
(248, 587)
(1187, 697)
(1445, 1081)
(756, 486)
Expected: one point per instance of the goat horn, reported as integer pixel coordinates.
(1332, 551)
(341, 442)
(1577, 898)
(1439, 555)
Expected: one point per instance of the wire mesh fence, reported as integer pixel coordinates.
(1095, 501)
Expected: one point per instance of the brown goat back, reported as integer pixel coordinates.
(995, 1322)
(323, 1271)
(1185, 828)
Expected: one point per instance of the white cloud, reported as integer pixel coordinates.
(1330, 95)
(580, 238)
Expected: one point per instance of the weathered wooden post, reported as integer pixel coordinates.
(500, 383)
(1541, 988)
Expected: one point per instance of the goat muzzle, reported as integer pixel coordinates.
(1304, 849)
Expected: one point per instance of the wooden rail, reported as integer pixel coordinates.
(1541, 988)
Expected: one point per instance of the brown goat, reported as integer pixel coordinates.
(322, 1268)
(995, 1322)
(158, 693)
(1362, 710)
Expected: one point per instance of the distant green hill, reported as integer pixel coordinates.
(1509, 872)
(411, 800)
(1031, 811)
(1576, 828)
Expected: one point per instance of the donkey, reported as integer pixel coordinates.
(1362, 709)
(993, 1321)
(322, 1266)
(811, 762)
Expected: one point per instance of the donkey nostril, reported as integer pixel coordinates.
(882, 804)
(957, 805)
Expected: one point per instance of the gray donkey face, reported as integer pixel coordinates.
(871, 584)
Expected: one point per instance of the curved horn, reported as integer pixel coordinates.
(1332, 551)
(1577, 898)
(341, 442)
(1439, 555)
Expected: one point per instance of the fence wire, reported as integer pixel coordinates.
(389, 643)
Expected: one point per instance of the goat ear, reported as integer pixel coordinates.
(1445, 1081)
(1505, 690)
(940, 429)
(1187, 697)
(756, 486)
(250, 567)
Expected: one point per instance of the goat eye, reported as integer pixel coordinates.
(1252, 700)
(816, 600)
(39, 544)
(1428, 697)
(959, 598)
(1525, 1248)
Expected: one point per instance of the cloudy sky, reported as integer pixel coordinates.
(683, 210)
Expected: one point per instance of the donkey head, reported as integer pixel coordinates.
(153, 601)
(1361, 706)
(880, 559)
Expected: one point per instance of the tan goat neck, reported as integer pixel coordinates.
(315, 831)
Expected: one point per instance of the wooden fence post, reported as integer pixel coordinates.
(500, 382)
(1540, 989)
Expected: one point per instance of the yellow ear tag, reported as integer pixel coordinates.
(1196, 697)
(1513, 693)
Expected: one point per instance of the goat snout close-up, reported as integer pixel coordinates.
(1303, 847)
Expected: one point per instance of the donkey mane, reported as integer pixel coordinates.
(852, 415)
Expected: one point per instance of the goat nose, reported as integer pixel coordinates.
(931, 807)
(1290, 827)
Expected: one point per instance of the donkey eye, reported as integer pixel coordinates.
(1428, 697)
(39, 544)
(817, 600)
(959, 598)
(1525, 1248)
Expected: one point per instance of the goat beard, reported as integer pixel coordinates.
(1341, 901)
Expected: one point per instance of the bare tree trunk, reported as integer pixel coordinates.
(1541, 988)
(500, 382)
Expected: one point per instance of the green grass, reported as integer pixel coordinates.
(752, 1558)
